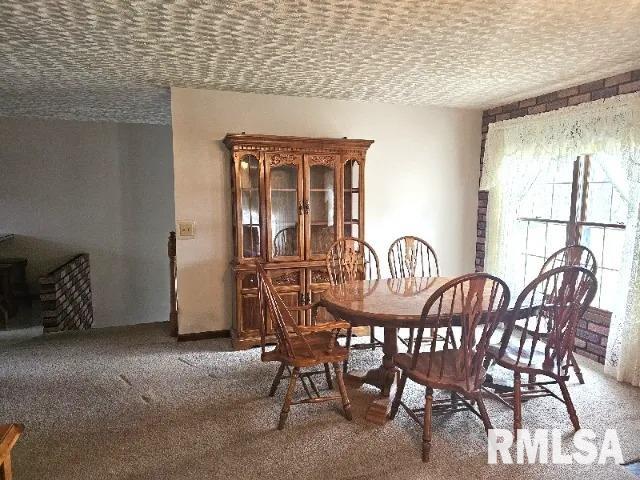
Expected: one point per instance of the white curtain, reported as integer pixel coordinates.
(518, 151)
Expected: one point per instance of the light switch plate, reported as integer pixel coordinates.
(186, 229)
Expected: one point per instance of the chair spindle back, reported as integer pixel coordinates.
(273, 308)
(555, 300)
(573, 255)
(351, 259)
(476, 301)
(411, 256)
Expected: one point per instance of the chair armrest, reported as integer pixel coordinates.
(301, 308)
(324, 327)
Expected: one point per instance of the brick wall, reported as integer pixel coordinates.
(592, 334)
(65, 296)
(591, 337)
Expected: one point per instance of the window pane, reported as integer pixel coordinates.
(534, 264)
(536, 241)
(561, 207)
(599, 202)
(563, 172)
(556, 238)
(520, 236)
(541, 204)
(613, 243)
(618, 208)
(608, 288)
(592, 238)
(596, 174)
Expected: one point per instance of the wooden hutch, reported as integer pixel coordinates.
(292, 198)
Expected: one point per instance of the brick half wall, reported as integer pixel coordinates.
(591, 338)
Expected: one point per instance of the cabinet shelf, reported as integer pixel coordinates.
(284, 189)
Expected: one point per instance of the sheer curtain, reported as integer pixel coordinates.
(518, 151)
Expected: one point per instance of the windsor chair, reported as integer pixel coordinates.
(573, 255)
(408, 257)
(9, 435)
(476, 303)
(351, 259)
(299, 347)
(558, 298)
(285, 242)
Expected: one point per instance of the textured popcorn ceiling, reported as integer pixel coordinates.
(463, 53)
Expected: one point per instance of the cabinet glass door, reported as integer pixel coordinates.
(285, 207)
(352, 199)
(249, 187)
(321, 210)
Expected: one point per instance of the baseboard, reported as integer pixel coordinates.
(189, 337)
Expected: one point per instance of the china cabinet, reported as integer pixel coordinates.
(292, 197)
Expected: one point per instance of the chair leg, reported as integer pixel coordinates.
(327, 374)
(426, 432)
(287, 399)
(483, 413)
(517, 404)
(345, 364)
(569, 403)
(576, 368)
(395, 405)
(372, 337)
(454, 399)
(488, 362)
(346, 405)
(410, 342)
(276, 380)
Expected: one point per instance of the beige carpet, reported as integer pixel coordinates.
(130, 403)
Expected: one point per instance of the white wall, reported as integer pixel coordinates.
(103, 188)
(421, 178)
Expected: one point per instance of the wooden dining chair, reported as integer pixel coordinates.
(299, 347)
(476, 303)
(556, 300)
(285, 242)
(9, 435)
(284, 371)
(351, 259)
(573, 255)
(411, 256)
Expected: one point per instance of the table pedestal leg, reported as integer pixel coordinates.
(384, 377)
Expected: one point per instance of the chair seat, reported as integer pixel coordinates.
(527, 361)
(451, 376)
(319, 343)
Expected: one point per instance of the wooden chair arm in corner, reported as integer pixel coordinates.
(9, 435)
(311, 306)
(301, 308)
(324, 327)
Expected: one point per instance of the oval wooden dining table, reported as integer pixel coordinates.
(389, 303)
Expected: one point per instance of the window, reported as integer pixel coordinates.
(574, 204)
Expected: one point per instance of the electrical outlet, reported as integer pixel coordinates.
(186, 228)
